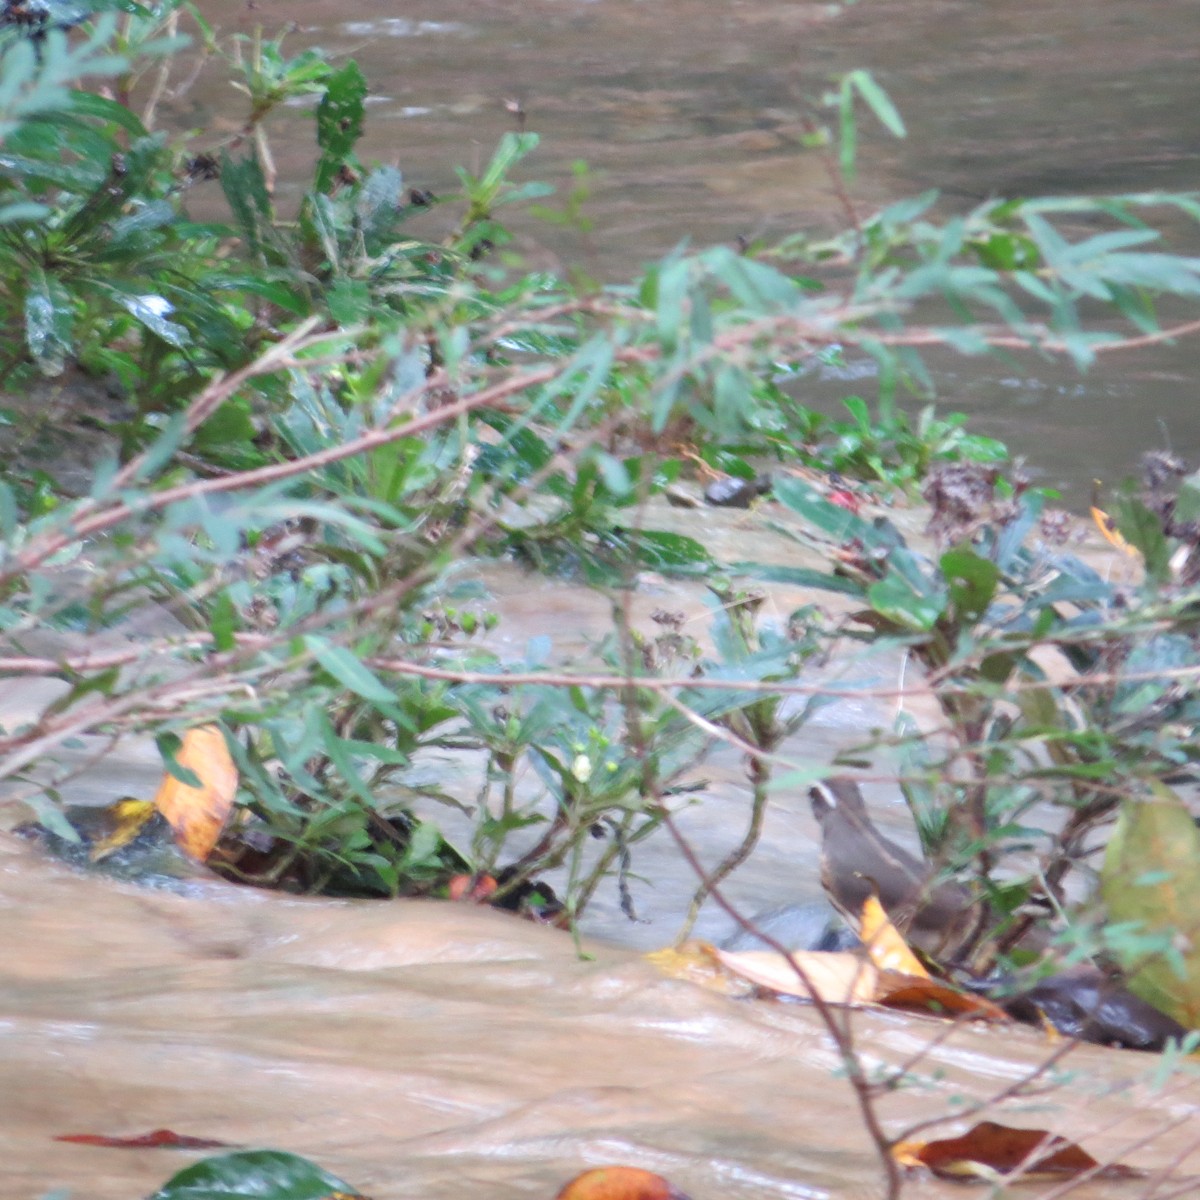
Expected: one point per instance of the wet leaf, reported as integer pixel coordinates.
(126, 819)
(836, 977)
(886, 947)
(156, 1139)
(698, 962)
(198, 814)
(989, 1150)
(261, 1174)
(620, 1183)
(932, 996)
(1151, 877)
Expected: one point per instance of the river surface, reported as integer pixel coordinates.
(691, 114)
(425, 1050)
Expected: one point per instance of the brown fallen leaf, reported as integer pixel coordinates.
(837, 977)
(887, 948)
(917, 994)
(990, 1149)
(156, 1139)
(620, 1183)
(197, 815)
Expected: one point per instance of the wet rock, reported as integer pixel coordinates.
(733, 492)
(1085, 1003)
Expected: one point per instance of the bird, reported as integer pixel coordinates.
(857, 861)
(620, 1183)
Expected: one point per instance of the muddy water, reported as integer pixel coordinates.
(427, 1050)
(419, 1047)
(691, 114)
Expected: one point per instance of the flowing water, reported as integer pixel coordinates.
(691, 115)
(424, 1049)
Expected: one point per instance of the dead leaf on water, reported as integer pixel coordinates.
(698, 962)
(197, 815)
(989, 1150)
(914, 993)
(836, 977)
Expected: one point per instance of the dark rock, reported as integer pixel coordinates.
(732, 492)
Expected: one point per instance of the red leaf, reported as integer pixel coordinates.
(156, 1139)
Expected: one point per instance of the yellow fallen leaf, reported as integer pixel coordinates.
(887, 949)
(837, 978)
(697, 962)
(125, 819)
(197, 815)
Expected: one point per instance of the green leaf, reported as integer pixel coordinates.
(339, 121)
(245, 190)
(512, 148)
(894, 598)
(348, 671)
(798, 577)
(257, 1174)
(672, 552)
(48, 321)
(1151, 879)
(972, 581)
(1187, 502)
(151, 311)
(1142, 529)
(878, 101)
(223, 621)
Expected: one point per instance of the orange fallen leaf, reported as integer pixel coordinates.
(1106, 525)
(156, 1139)
(197, 815)
(836, 977)
(620, 1183)
(887, 948)
(990, 1149)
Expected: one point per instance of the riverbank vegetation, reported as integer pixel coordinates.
(288, 424)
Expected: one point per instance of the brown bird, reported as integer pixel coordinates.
(857, 861)
(620, 1183)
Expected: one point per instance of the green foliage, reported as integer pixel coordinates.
(893, 450)
(264, 1174)
(329, 409)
